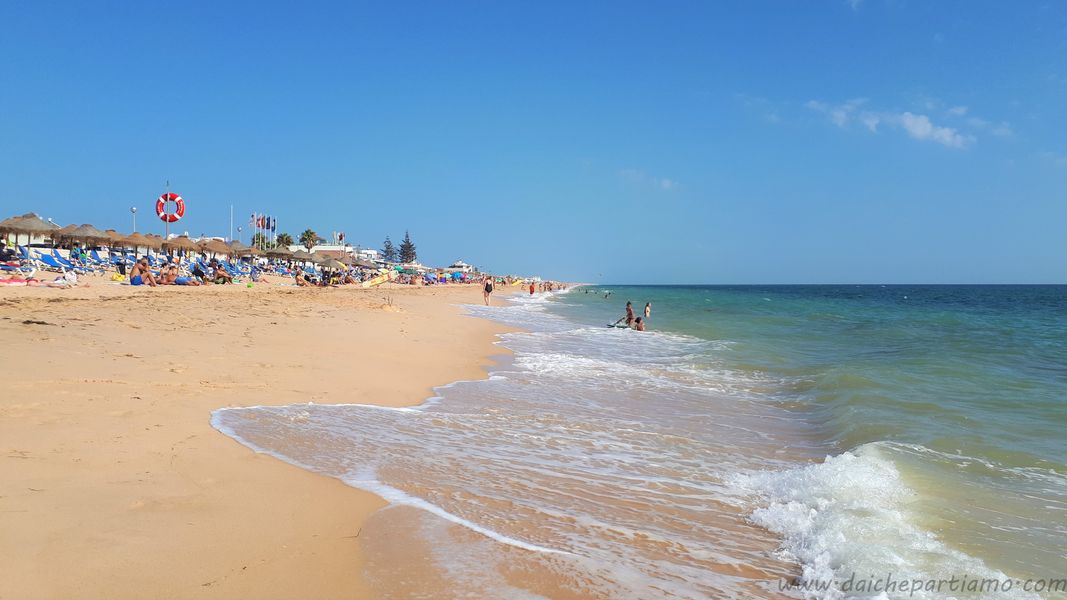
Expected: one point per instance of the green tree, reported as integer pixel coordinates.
(284, 239)
(407, 249)
(309, 238)
(259, 240)
(388, 251)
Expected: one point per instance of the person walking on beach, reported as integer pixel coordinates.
(487, 289)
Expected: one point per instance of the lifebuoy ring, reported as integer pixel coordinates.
(161, 207)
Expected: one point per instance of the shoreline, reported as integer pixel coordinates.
(109, 468)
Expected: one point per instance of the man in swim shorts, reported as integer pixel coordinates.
(141, 275)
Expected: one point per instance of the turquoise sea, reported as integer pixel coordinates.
(962, 390)
(756, 441)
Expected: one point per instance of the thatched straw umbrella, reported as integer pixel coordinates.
(114, 238)
(137, 241)
(214, 247)
(302, 256)
(182, 242)
(279, 252)
(239, 249)
(157, 240)
(64, 232)
(30, 224)
(332, 263)
(87, 233)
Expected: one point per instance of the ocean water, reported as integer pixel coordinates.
(755, 437)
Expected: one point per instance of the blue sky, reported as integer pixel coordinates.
(732, 142)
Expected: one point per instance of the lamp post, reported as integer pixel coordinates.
(133, 211)
(239, 237)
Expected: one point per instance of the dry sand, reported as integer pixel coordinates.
(113, 483)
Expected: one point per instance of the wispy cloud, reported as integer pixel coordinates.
(921, 128)
(639, 177)
(1002, 129)
(917, 126)
(854, 4)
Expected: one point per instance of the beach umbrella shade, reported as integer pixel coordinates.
(6, 223)
(279, 252)
(64, 232)
(88, 233)
(114, 238)
(182, 242)
(364, 264)
(332, 263)
(304, 256)
(239, 249)
(136, 240)
(214, 246)
(30, 224)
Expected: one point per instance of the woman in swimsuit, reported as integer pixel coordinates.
(487, 290)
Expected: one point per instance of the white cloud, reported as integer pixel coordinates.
(917, 126)
(855, 4)
(667, 184)
(957, 111)
(871, 121)
(921, 128)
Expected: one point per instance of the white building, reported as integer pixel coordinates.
(460, 266)
(367, 254)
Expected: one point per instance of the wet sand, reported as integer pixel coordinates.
(113, 483)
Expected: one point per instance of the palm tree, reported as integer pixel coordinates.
(284, 239)
(309, 238)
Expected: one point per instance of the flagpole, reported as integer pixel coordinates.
(231, 222)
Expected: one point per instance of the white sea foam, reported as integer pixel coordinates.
(604, 451)
(850, 517)
(366, 480)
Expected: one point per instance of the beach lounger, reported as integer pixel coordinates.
(50, 263)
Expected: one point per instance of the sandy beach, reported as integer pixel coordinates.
(113, 484)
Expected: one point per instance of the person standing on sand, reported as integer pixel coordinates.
(648, 309)
(487, 289)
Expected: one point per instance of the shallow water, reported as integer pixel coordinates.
(687, 461)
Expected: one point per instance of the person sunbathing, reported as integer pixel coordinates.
(67, 281)
(171, 277)
(141, 275)
(221, 276)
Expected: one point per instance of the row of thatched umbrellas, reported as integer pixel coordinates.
(31, 224)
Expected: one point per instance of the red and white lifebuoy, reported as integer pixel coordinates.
(161, 207)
